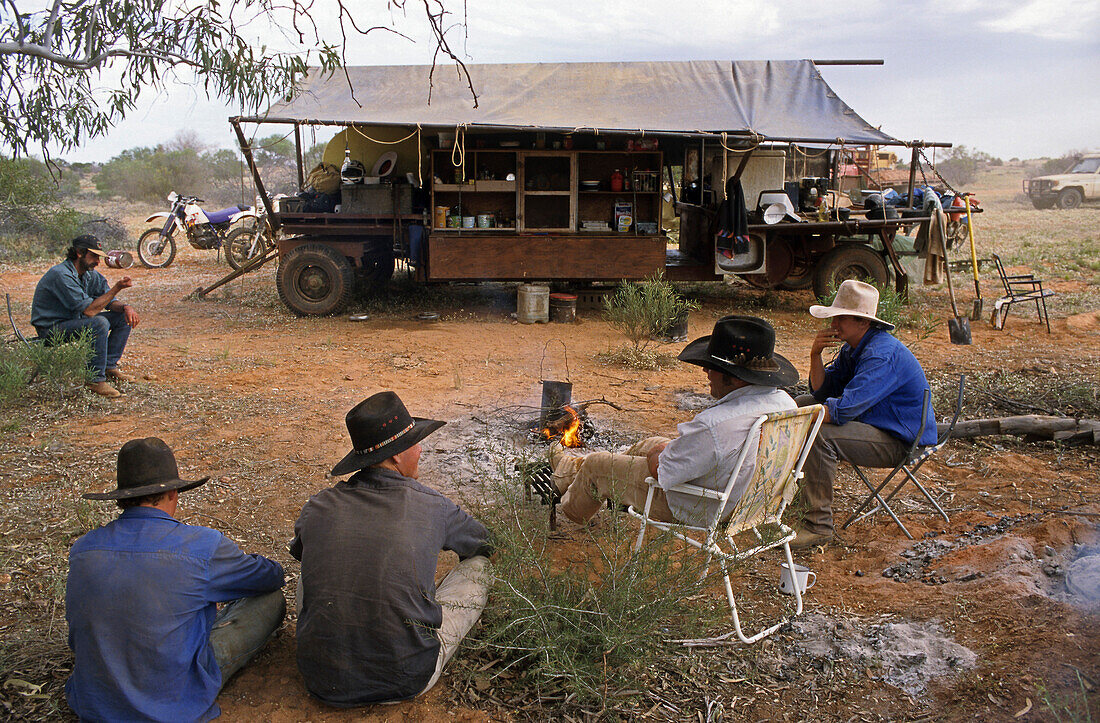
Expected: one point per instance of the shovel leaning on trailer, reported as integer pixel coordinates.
(976, 312)
(959, 327)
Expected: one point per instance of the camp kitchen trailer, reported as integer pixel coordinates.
(569, 172)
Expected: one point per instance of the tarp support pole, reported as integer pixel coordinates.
(913, 161)
(298, 155)
(246, 149)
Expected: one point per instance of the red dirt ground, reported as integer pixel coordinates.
(265, 394)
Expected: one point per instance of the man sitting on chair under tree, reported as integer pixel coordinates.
(873, 393)
(743, 370)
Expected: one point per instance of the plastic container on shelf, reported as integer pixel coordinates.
(533, 304)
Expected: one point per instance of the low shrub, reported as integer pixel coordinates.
(37, 370)
(587, 625)
(642, 310)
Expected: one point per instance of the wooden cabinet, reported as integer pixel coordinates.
(552, 191)
(476, 188)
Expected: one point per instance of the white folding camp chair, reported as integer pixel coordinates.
(785, 440)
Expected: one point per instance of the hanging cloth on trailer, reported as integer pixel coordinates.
(733, 221)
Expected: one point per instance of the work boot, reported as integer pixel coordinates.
(103, 389)
(804, 539)
(120, 375)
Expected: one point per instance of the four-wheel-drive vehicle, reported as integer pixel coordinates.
(1067, 190)
(572, 173)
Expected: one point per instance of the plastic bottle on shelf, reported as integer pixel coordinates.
(617, 181)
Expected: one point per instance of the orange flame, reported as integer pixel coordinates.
(569, 429)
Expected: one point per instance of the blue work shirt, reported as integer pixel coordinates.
(140, 603)
(63, 294)
(879, 383)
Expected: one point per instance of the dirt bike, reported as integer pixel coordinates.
(253, 237)
(202, 229)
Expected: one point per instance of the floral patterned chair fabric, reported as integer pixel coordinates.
(785, 440)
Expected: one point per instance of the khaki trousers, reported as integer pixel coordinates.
(586, 481)
(856, 442)
(462, 594)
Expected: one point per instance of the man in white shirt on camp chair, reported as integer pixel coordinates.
(744, 372)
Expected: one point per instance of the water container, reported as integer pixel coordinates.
(563, 308)
(533, 304)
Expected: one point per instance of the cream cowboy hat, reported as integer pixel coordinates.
(853, 298)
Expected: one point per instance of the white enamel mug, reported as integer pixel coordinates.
(805, 577)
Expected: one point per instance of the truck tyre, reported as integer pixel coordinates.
(1070, 198)
(1042, 203)
(848, 262)
(315, 280)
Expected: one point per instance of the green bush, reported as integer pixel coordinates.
(585, 626)
(149, 174)
(35, 221)
(36, 370)
(642, 310)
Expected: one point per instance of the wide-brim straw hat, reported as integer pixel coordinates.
(381, 427)
(146, 467)
(853, 298)
(743, 347)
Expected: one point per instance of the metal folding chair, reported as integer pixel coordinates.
(910, 464)
(1019, 288)
(785, 440)
(17, 333)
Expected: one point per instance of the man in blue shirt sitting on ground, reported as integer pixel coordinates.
(873, 393)
(141, 601)
(73, 296)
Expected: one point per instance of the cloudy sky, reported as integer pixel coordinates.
(1014, 79)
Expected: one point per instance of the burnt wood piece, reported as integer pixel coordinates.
(1033, 426)
(545, 256)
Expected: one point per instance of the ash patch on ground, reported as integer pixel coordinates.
(918, 559)
(906, 655)
(469, 450)
(689, 400)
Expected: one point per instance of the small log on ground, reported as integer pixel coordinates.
(1074, 431)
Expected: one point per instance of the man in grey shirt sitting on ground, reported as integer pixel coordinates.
(372, 626)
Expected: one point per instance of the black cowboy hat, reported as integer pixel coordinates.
(146, 467)
(744, 347)
(381, 427)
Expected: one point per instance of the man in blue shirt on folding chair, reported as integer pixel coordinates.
(873, 393)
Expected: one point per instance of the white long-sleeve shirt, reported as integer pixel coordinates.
(707, 449)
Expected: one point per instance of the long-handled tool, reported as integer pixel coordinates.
(959, 327)
(976, 312)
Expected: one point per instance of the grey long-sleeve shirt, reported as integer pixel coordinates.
(369, 547)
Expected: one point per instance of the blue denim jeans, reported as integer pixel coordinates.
(110, 332)
(242, 627)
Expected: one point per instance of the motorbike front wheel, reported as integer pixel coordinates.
(244, 244)
(156, 251)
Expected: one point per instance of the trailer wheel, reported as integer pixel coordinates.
(315, 280)
(848, 262)
(801, 275)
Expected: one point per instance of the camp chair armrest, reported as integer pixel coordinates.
(689, 489)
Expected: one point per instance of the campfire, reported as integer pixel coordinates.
(566, 427)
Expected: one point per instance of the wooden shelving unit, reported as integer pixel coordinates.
(546, 195)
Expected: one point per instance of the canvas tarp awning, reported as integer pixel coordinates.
(784, 100)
